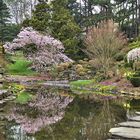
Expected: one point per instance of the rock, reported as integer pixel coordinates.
(56, 84)
(1, 85)
(2, 80)
(130, 124)
(138, 113)
(130, 133)
(1, 76)
(2, 101)
(2, 71)
(137, 118)
(3, 92)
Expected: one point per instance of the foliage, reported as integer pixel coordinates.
(135, 44)
(135, 81)
(16, 88)
(134, 78)
(13, 30)
(103, 43)
(55, 18)
(72, 70)
(2, 61)
(82, 82)
(42, 49)
(126, 14)
(24, 97)
(4, 19)
(133, 55)
(20, 67)
(91, 86)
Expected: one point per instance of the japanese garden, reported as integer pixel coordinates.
(69, 69)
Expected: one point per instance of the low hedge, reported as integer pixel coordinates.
(135, 81)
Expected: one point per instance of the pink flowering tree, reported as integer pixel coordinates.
(133, 55)
(47, 50)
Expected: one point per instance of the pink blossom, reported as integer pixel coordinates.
(48, 49)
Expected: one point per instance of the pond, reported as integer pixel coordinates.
(59, 115)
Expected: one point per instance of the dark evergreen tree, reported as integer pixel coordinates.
(4, 19)
(126, 14)
(41, 17)
(54, 17)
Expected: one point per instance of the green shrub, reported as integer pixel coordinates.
(134, 78)
(135, 81)
(91, 86)
(135, 44)
(102, 43)
(82, 83)
(20, 67)
(119, 56)
(24, 97)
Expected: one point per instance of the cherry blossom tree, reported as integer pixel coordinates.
(47, 50)
(133, 55)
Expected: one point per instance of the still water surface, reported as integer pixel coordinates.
(58, 116)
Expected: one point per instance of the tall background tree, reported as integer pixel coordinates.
(20, 9)
(4, 19)
(54, 17)
(126, 13)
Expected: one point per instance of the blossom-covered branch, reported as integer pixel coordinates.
(48, 50)
(133, 55)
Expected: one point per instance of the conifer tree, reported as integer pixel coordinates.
(54, 17)
(64, 26)
(4, 19)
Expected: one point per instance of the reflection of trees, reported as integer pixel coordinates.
(85, 120)
(46, 109)
(101, 123)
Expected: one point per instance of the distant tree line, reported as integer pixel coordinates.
(67, 20)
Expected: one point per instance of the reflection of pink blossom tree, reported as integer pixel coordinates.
(47, 49)
(45, 110)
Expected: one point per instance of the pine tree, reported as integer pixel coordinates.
(54, 17)
(126, 14)
(64, 27)
(4, 19)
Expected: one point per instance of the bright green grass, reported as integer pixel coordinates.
(20, 67)
(91, 86)
(24, 97)
(82, 83)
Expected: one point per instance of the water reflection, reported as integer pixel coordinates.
(15, 132)
(85, 120)
(54, 116)
(46, 109)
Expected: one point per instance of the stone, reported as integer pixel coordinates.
(2, 80)
(130, 124)
(138, 113)
(130, 133)
(1, 85)
(3, 92)
(1, 76)
(137, 118)
(2, 71)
